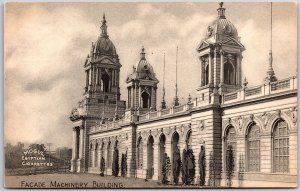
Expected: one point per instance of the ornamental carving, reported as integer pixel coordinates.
(251, 117)
(292, 113)
(201, 125)
(239, 121)
(265, 118)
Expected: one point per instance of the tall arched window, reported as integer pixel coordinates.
(91, 155)
(96, 155)
(253, 148)
(105, 82)
(145, 100)
(206, 74)
(229, 73)
(230, 144)
(280, 147)
(108, 160)
(140, 153)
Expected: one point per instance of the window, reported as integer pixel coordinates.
(229, 74)
(253, 148)
(140, 153)
(280, 147)
(145, 100)
(96, 155)
(108, 155)
(105, 83)
(230, 143)
(206, 75)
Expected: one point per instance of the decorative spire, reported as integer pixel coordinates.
(221, 11)
(176, 100)
(163, 102)
(143, 54)
(104, 27)
(270, 73)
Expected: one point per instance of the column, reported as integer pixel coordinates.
(222, 67)
(87, 79)
(169, 153)
(81, 150)
(215, 68)
(202, 71)
(97, 76)
(156, 157)
(145, 160)
(152, 97)
(113, 77)
(74, 151)
(210, 69)
(139, 104)
(90, 76)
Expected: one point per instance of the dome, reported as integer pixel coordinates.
(104, 46)
(221, 28)
(142, 70)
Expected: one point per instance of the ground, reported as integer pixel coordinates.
(70, 180)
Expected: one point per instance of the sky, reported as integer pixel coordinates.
(46, 44)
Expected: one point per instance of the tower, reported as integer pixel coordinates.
(101, 98)
(220, 55)
(102, 69)
(142, 86)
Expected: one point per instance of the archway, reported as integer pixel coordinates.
(105, 82)
(206, 75)
(145, 100)
(162, 150)
(176, 159)
(229, 73)
(150, 152)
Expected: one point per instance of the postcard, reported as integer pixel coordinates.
(150, 95)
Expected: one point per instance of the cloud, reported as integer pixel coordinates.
(46, 46)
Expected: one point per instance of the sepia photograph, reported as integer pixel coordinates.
(118, 95)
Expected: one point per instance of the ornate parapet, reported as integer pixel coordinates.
(246, 93)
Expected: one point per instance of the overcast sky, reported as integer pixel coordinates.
(46, 45)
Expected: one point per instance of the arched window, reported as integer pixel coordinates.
(206, 75)
(280, 147)
(140, 153)
(105, 82)
(253, 148)
(96, 155)
(229, 73)
(108, 155)
(145, 100)
(230, 144)
(91, 155)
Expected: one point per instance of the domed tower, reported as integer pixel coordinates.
(102, 69)
(142, 86)
(101, 100)
(220, 54)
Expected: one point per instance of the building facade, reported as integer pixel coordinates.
(256, 126)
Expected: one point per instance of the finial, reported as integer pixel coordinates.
(190, 99)
(245, 82)
(104, 27)
(143, 53)
(221, 4)
(221, 11)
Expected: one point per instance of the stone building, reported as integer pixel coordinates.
(258, 125)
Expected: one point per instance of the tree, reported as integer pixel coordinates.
(102, 166)
(188, 167)
(229, 164)
(165, 168)
(115, 164)
(184, 167)
(124, 165)
(176, 164)
(202, 165)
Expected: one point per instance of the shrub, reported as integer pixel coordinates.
(176, 164)
(115, 164)
(102, 166)
(166, 165)
(188, 167)
(202, 166)
(124, 165)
